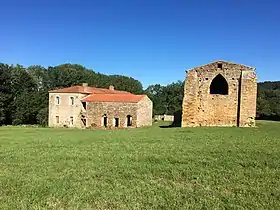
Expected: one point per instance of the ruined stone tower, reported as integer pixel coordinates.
(220, 94)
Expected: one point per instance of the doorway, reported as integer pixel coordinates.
(104, 120)
(116, 122)
(128, 120)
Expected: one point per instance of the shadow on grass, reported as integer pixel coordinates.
(176, 122)
(268, 118)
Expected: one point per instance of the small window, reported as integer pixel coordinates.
(57, 100)
(116, 122)
(220, 66)
(84, 121)
(84, 105)
(72, 100)
(71, 120)
(57, 119)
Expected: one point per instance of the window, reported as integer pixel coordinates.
(57, 119)
(72, 100)
(220, 65)
(104, 120)
(84, 105)
(219, 85)
(57, 100)
(71, 120)
(128, 120)
(84, 121)
(116, 122)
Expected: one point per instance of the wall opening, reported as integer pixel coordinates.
(71, 120)
(104, 120)
(84, 120)
(219, 85)
(220, 65)
(57, 101)
(72, 100)
(128, 120)
(84, 105)
(116, 122)
(57, 119)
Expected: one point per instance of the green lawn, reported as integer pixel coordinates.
(145, 168)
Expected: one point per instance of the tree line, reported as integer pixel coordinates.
(24, 92)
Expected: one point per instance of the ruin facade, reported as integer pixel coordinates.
(220, 94)
(84, 106)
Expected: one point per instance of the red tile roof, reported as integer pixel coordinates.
(101, 94)
(87, 90)
(113, 98)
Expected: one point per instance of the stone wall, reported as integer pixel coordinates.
(200, 108)
(248, 99)
(65, 110)
(140, 113)
(96, 111)
(144, 112)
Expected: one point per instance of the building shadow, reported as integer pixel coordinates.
(176, 122)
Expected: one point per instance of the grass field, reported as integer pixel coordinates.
(145, 168)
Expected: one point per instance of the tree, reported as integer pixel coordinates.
(38, 75)
(157, 94)
(166, 99)
(5, 92)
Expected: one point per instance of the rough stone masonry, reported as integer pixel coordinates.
(220, 94)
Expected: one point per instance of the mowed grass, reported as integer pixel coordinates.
(145, 168)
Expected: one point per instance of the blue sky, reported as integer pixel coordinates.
(154, 41)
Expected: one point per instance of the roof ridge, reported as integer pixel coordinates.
(217, 61)
(87, 90)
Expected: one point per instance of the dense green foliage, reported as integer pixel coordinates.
(268, 104)
(24, 92)
(145, 168)
(166, 99)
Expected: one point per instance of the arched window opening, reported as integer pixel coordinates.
(104, 120)
(72, 100)
(71, 120)
(129, 120)
(57, 101)
(219, 85)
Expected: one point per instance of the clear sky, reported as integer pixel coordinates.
(154, 41)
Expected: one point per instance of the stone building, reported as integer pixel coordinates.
(85, 106)
(220, 94)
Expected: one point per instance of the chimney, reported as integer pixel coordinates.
(111, 87)
(85, 84)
